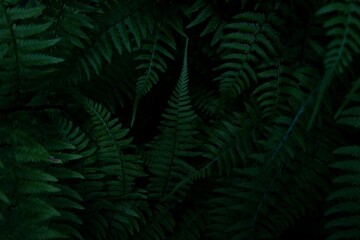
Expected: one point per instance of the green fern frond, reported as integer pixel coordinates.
(229, 145)
(204, 12)
(152, 62)
(176, 142)
(343, 48)
(233, 152)
(25, 186)
(243, 211)
(160, 223)
(116, 86)
(205, 100)
(202, 16)
(250, 39)
(25, 54)
(257, 192)
(124, 27)
(78, 206)
(71, 23)
(352, 96)
(277, 84)
(118, 218)
(111, 142)
(70, 145)
(344, 199)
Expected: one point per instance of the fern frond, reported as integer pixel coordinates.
(153, 61)
(352, 96)
(205, 100)
(204, 12)
(344, 207)
(251, 39)
(25, 54)
(274, 168)
(160, 223)
(124, 27)
(243, 211)
(176, 142)
(229, 145)
(277, 85)
(343, 48)
(116, 220)
(202, 16)
(25, 186)
(71, 23)
(79, 205)
(111, 141)
(116, 86)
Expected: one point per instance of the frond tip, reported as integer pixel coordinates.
(176, 143)
(111, 141)
(343, 27)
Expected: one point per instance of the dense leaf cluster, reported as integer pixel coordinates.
(206, 119)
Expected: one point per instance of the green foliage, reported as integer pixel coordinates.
(100, 138)
(344, 207)
(251, 40)
(343, 28)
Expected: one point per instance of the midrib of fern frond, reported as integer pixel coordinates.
(201, 173)
(336, 67)
(248, 42)
(283, 164)
(118, 151)
(183, 81)
(141, 91)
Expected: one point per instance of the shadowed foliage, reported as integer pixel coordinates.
(169, 119)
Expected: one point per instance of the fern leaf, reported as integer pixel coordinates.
(343, 212)
(251, 39)
(120, 29)
(201, 17)
(276, 86)
(26, 49)
(153, 62)
(205, 12)
(17, 13)
(27, 30)
(161, 221)
(112, 142)
(176, 141)
(343, 47)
